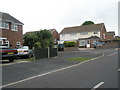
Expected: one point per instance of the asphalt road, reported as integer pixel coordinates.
(60, 73)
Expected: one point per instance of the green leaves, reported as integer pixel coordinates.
(70, 43)
(79, 59)
(42, 39)
(88, 23)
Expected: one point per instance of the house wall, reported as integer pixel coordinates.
(13, 36)
(77, 35)
(103, 33)
(109, 37)
(55, 35)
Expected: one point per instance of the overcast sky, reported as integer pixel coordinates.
(58, 14)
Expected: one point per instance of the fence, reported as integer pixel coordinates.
(111, 44)
(40, 53)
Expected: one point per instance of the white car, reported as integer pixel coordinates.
(24, 52)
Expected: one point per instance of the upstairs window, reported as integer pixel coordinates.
(63, 35)
(84, 33)
(4, 25)
(14, 27)
(95, 32)
(73, 34)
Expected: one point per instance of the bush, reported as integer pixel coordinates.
(82, 46)
(37, 44)
(70, 43)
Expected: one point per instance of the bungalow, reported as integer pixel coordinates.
(10, 31)
(86, 35)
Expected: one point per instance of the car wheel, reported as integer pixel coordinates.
(11, 59)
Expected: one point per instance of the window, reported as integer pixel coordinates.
(84, 33)
(1, 42)
(4, 24)
(82, 42)
(18, 44)
(73, 34)
(7, 43)
(14, 27)
(95, 32)
(63, 35)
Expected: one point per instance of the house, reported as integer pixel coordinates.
(55, 35)
(11, 31)
(85, 35)
(110, 35)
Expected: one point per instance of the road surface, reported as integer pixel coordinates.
(97, 73)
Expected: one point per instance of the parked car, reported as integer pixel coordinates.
(100, 44)
(25, 52)
(60, 47)
(8, 54)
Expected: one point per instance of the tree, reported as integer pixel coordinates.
(42, 38)
(87, 23)
(30, 39)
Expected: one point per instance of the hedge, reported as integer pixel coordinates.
(70, 43)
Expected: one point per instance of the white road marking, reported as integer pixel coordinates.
(97, 86)
(50, 72)
(112, 54)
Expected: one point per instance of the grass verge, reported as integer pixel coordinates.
(81, 59)
(28, 59)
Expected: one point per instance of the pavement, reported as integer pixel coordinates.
(60, 73)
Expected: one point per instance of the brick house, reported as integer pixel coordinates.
(85, 35)
(55, 35)
(11, 31)
(110, 35)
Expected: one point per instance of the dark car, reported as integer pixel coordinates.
(9, 54)
(60, 47)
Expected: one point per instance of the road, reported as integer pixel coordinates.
(61, 73)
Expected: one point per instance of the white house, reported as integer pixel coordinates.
(84, 34)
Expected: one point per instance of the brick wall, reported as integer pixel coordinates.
(55, 35)
(103, 32)
(109, 37)
(13, 36)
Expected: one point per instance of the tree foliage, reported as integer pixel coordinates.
(88, 23)
(42, 38)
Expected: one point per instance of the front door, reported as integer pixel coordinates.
(88, 43)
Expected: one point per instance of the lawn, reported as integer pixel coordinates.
(79, 59)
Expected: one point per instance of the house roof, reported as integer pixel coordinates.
(91, 38)
(8, 17)
(95, 38)
(84, 28)
(51, 31)
(111, 33)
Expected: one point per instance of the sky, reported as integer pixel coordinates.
(58, 14)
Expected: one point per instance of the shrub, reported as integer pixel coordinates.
(82, 46)
(70, 43)
(37, 44)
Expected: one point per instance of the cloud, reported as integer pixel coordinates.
(40, 14)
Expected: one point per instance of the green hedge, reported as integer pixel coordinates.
(70, 43)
